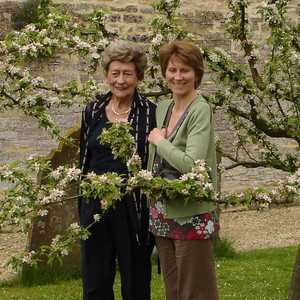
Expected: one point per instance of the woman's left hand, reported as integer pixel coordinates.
(156, 135)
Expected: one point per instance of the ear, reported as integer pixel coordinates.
(105, 81)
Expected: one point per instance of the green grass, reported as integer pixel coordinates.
(255, 275)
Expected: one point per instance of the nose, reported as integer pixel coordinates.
(121, 78)
(178, 75)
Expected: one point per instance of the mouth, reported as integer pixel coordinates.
(121, 88)
(179, 84)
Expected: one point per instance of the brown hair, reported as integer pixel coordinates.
(185, 51)
(125, 51)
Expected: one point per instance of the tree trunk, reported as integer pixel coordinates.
(294, 293)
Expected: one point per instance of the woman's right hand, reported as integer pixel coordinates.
(156, 135)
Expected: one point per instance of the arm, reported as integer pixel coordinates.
(83, 130)
(198, 134)
(85, 123)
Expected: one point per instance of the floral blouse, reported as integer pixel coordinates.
(198, 227)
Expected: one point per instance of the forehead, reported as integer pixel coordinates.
(178, 62)
(117, 65)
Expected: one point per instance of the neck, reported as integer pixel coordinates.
(182, 102)
(121, 103)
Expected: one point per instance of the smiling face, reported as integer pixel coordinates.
(180, 77)
(122, 79)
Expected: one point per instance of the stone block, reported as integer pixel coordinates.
(131, 9)
(59, 217)
(133, 19)
(138, 37)
(146, 10)
(207, 17)
(114, 18)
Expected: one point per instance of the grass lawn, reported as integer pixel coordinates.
(255, 275)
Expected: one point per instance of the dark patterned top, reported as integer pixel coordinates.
(198, 227)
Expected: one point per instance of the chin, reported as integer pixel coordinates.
(180, 93)
(122, 95)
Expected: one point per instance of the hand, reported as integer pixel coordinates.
(156, 135)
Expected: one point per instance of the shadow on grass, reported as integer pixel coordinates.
(44, 275)
(224, 248)
(31, 276)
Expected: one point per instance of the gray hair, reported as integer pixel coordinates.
(125, 51)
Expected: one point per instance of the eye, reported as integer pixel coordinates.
(172, 70)
(185, 70)
(128, 73)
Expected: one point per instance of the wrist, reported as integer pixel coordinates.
(158, 140)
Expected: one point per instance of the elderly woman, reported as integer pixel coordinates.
(184, 135)
(122, 233)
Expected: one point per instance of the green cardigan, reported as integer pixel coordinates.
(194, 140)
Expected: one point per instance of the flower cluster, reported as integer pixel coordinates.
(63, 175)
(134, 164)
(54, 31)
(105, 188)
(193, 186)
(120, 139)
(60, 246)
(287, 191)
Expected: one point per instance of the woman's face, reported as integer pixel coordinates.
(122, 79)
(180, 77)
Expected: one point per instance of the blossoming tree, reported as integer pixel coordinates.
(267, 92)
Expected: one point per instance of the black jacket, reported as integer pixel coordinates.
(142, 119)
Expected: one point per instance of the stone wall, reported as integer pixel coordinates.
(19, 135)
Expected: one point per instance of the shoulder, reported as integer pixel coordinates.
(163, 105)
(149, 103)
(93, 105)
(200, 107)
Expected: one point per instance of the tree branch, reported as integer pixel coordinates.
(243, 163)
(156, 94)
(247, 47)
(261, 124)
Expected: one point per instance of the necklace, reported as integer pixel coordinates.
(121, 120)
(121, 113)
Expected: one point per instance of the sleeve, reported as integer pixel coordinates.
(152, 116)
(197, 141)
(83, 136)
(83, 131)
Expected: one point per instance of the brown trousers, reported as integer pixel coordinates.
(188, 269)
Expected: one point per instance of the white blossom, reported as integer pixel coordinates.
(265, 197)
(75, 226)
(208, 186)
(91, 175)
(73, 173)
(27, 259)
(157, 40)
(185, 192)
(147, 175)
(96, 217)
(95, 55)
(55, 195)
(291, 189)
(42, 212)
(53, 100)
(14, 70)
(30, 27)
(64, 252)
(57, 172)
